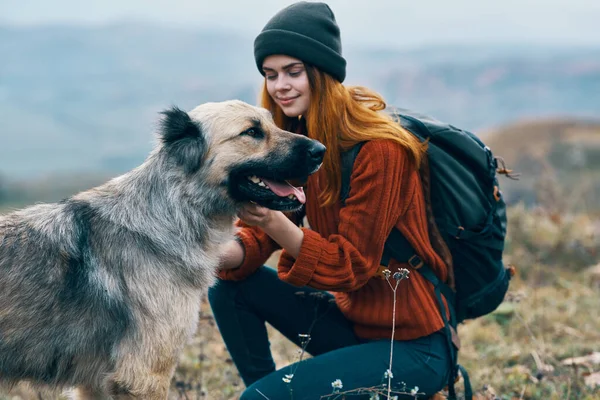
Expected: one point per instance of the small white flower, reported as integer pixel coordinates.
(304, 339)
(401, 274)
(337, 384)
(386, 273)
(374, 396)
(388, 374)
(414, 391)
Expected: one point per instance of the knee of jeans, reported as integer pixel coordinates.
(252, 393)
(247, 395)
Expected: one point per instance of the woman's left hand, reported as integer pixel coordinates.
(255, 215)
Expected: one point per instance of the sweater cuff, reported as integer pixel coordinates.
(252, 259)
(299, 272)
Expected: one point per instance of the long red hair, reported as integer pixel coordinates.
(339, 117)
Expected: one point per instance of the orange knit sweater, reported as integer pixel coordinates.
(342, 250)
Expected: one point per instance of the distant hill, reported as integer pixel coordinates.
(87, 99)
(559, 162)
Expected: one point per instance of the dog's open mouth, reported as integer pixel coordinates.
(281, 195)
(276, 181)
(283, 189)
(274, 193)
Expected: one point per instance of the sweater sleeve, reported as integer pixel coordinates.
(258, 247)
(382, 186)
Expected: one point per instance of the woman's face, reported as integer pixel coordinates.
(287, 84)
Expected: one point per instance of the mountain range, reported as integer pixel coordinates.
(88, 99)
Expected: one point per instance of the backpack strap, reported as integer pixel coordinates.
(398, 247)
(347, 163)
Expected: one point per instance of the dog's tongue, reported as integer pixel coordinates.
(284, 189)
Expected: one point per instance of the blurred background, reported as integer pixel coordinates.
(82, 84)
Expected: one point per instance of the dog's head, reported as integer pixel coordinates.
(238, 148)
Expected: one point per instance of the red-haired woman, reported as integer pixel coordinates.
(328, 283)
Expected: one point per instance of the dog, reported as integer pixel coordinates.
(101, 291)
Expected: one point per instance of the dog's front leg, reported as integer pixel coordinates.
(158, 390)
(85, 393)
(137, 378)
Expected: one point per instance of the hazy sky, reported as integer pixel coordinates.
(399, 22)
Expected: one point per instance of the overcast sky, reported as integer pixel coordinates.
(388, 22)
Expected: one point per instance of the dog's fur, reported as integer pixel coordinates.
(102, 290)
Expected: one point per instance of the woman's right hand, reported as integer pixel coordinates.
(232, 255)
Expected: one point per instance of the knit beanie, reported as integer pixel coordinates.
(307, 31)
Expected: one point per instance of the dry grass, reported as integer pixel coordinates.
(559, 162)
(536, 137)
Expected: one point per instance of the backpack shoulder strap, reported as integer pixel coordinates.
(347, 163)
(396, 245)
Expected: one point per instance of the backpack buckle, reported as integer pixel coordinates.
(415, 262)
(459, 231)
(496, 193)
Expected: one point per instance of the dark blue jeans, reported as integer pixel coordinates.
(242, 308)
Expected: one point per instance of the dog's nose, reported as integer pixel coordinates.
(317, 151)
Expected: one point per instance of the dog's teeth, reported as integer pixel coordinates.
(292, 197)
(256, 180)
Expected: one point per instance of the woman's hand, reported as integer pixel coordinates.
(276, 225)
(255, 215)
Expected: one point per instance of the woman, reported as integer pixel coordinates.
(328, 294)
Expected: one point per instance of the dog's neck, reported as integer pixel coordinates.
(172, 212)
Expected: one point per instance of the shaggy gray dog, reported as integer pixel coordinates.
(101, 291)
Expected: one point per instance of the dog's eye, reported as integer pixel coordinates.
(254, 132)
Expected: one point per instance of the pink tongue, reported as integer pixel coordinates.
(284, 189)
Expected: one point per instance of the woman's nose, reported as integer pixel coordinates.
(282, 83)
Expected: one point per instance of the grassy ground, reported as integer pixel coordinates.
(521, 351)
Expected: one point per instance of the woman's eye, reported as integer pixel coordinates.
(271, 77)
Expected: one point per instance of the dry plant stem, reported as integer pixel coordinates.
(369, 390)
(398, 277)
(389, 374)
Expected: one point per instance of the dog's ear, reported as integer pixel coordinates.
(177, 125)
(183, 139)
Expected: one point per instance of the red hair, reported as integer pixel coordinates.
(340, 117)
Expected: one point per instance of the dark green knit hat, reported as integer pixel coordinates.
(306, 31)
